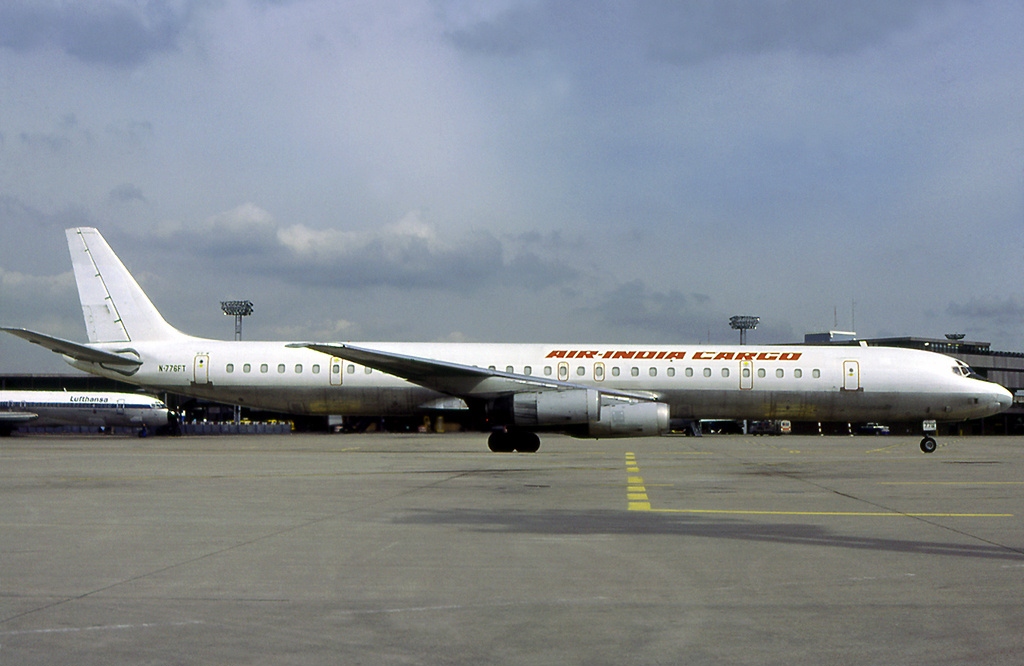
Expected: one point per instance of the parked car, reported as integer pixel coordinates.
(873, 429)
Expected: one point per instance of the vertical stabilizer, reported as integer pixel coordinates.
(115, 307)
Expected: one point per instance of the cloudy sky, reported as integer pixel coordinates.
(519, 170)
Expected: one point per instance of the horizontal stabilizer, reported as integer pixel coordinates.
(75, 350)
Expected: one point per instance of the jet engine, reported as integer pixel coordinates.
(582, 412)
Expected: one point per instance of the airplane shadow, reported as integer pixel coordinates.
(640, 523)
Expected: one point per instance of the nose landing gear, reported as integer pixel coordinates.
(929, 427)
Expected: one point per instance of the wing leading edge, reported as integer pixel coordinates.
(455, 378)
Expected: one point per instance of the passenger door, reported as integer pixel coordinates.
(746, 375)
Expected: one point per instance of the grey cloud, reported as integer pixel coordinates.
(638, 310)
(661, 315)
(993, 311)
(687, 32)
(691, 32)
(472, 262)
(15, 213)
(53, 143)
(109, 33)
(406, 255)
(126, 193)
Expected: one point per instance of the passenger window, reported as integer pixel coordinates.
(671, 372)
(581, 371)
(298, 368)
(547, 370)
(246, 368)
(280, 367)
(635, 372)
(725, 372)
(598, 372)
(509, 369)
(351, 369)
(367, 370)
(760, 372)
(653, 372)
(527, 371)
(816, 374)
(780, 373)
(746, 372)
(231, 367)
(707, 372)
(264, 367)
(689, 372)
(615, 371)
(798, 373)
(316, 369)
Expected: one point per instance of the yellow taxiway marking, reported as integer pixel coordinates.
(636, 495)
(636, 491)
(873, 514)
(951, 483)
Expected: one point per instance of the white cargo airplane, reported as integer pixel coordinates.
(587, 390)
(86, 408)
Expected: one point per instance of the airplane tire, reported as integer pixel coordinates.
(500, 442)
(928, 445)
(527, 442)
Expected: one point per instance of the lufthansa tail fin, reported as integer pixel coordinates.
(115, 307)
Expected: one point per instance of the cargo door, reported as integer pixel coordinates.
(851, 376)
(201, 369)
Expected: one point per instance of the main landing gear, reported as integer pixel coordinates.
(928, 444)
(507, 441)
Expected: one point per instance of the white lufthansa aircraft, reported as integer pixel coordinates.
(517, 390)
(85, 408)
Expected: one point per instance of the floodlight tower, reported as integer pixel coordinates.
(238, 309)
(743, 323)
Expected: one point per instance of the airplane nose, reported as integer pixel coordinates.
(1002, 399)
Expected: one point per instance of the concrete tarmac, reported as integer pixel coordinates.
(428, 549)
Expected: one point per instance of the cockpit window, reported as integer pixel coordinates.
(964, 370)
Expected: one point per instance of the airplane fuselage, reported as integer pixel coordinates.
(695, 381)
(87, 408)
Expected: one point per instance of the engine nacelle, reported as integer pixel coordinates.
(640, 419)
(556, 408)
(582, 412)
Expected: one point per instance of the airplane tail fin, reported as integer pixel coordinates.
(114, 305)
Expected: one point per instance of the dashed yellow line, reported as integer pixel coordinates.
(951, 483)
(636, 491)
(636, 496)
(872, 514)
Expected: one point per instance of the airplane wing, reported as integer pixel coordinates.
(77, 351)
(454, 378)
